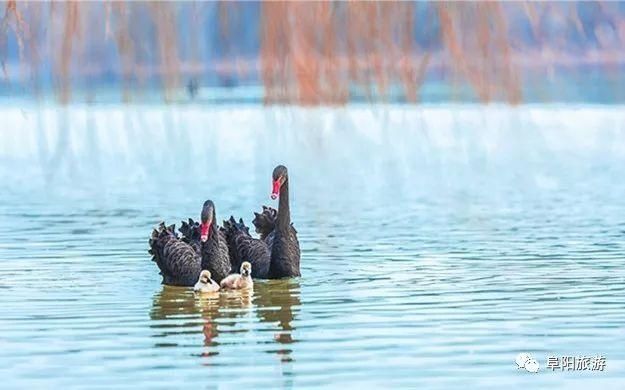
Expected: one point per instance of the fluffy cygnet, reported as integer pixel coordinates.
(205, 284)
(239, 281)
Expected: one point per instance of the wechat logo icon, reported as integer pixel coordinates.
(525, 360)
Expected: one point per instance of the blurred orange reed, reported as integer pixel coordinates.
(310, 53)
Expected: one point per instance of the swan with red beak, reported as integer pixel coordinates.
(202, 247)
(285, 253)
(277, 254)
(207, 217)
(279, 177)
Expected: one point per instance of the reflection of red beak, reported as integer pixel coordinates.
(205, 229)
(276, 189)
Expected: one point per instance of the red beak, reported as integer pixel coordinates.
(276, 189)
(205, 229)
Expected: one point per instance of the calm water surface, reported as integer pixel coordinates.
(437, 244)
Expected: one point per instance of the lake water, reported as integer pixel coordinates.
(437, 242)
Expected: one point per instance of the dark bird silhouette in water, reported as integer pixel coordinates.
(180, 262)
(276, 254)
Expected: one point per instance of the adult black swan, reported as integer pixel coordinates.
(276, 254)
(180, 263)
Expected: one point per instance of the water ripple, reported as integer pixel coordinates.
(435, 273)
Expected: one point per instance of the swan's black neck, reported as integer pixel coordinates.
(284, 212)
(209, 249)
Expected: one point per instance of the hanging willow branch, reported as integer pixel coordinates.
(309, 53)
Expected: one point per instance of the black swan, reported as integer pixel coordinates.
(276, 254)
(180, 263)
(239, 281)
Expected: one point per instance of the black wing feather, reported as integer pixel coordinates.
(243, 247)
(179, 263)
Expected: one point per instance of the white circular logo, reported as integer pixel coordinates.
(525, 360)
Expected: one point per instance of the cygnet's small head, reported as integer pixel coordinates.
(205, 277)
(246, 269)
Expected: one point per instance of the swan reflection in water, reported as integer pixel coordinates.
(177, 311)
(278, 302)
(182, 308)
